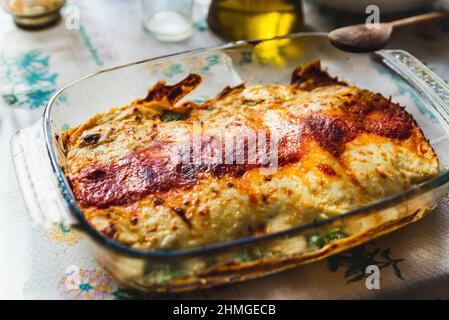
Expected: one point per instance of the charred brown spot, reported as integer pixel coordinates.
(173, 93)
(377, 115)
(328, 170)
(228, 90)
(91, 138)
(393, 123)
(291, 148)
(333, 132)
(158, 201)
(125, 180)
(134, 220)
(330, 132)
(252, 103)
(261, 229)
(182, 214)
(311, 76)
(95, 174)
(252, 198)
(110, 230)
(382, 174)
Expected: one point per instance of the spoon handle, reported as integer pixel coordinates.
(428, 17)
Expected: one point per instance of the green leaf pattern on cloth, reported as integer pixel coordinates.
(356, 260)
(28, 80)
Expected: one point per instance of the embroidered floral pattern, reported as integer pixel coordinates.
(97, 40)
(65, 127)
(64, 235)
(82, 284)
(200, 65)
(85, 284)
(28, 80)
(173, 70)
(201, 26)
(356, 260)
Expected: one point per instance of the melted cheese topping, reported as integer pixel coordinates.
(339, 148)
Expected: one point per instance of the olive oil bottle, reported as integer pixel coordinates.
(254, 19)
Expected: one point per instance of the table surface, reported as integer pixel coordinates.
(38, 264)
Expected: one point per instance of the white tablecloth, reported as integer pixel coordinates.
(57, 264)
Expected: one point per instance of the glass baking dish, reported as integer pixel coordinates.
(39, 161)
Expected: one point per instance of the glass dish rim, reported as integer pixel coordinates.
(66, 191)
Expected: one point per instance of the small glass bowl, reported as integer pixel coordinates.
(34, 14)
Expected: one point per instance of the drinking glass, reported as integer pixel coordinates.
(168, 20)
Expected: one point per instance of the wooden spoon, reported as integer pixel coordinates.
(360, 38)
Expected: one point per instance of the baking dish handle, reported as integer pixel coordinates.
(421, 77)
(37, 179)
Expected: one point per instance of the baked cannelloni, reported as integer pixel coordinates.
(162, 174)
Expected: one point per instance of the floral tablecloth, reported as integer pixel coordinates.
(56, 264)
